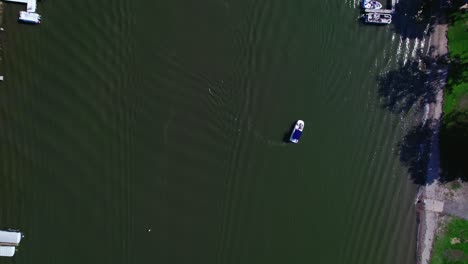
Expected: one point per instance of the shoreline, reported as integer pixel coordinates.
(428, 214)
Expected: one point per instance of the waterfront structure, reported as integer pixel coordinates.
(30, 15)
(374, 14)
(381, 10)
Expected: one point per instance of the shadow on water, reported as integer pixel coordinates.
(412, 17)
(287, 133)
(414, 151)
(404, 89)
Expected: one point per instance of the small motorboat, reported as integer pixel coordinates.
(372, 4)
(377, 18)
(297, 131)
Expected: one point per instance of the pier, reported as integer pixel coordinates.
(30, 4)
(380, 11)
(30, 15)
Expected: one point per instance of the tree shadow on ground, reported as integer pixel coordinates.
(454, 147)
(412, 17)
(458, 73)
(402, 88)
(414, 149)
(287, 133)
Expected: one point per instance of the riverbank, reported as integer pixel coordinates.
(439, 198)
(428, 216)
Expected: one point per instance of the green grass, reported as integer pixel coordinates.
(455, 185)
(456, 97)
(452, 246)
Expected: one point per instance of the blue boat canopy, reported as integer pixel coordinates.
(297, 134)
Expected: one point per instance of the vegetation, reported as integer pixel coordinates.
(455, 185)
(451, 247)
(454, 130)
(458, 79)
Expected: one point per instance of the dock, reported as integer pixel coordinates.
(380, 11)
(30, 15)
(30, 4)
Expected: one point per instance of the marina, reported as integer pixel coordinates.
(374, 13)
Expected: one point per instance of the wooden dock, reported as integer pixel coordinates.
(381, 11)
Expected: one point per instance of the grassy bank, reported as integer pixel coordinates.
(454, 130)
(452, 245)
(456, 98)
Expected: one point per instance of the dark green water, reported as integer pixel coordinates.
(122, 116)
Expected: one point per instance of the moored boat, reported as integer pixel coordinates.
(378, 18)
(29, 17)
(10, 238)
(371, 4)
(297, 131)
(7, 251)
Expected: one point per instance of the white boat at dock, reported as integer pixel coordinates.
(297, 131)
(29, 17)
(7, 251)
(371, 4)
(9, 240)
(378, 18)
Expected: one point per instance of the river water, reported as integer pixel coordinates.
(152, 132)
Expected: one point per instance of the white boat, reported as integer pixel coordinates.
(297, 131)
(371, 4)
(12, 238)
(7, 251)
(378, 18)
(29, 17)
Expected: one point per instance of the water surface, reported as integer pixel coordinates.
(152, 132)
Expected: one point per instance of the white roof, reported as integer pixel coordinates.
(7, 251)
(7, 237)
